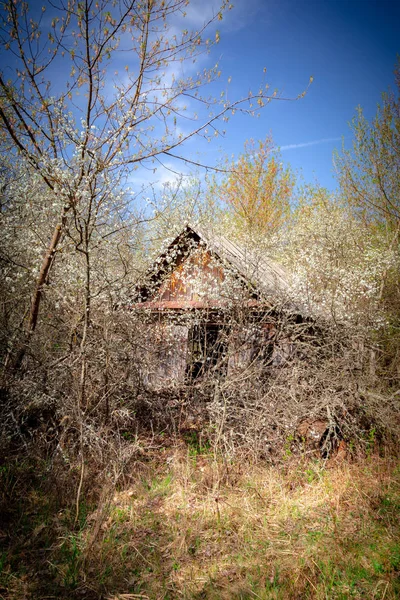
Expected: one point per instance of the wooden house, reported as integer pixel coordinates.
(211, 309)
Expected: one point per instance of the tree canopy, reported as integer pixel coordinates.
(369, 171)
(258, 189)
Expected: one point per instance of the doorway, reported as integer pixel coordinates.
(208, 348)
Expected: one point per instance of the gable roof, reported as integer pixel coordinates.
(265, 278)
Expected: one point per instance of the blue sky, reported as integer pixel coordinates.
(350, 48)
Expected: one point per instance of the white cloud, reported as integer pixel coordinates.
(199, 12)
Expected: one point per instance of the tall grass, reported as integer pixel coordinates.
(190, 526)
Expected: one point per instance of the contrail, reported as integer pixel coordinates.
(313, 143)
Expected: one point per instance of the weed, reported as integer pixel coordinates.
(394, 557)
(120, 515)
(287, 447)
(71, 550)
(197, 445)
(371, 440)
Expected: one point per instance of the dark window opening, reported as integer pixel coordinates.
(208, 347)
(262, 343)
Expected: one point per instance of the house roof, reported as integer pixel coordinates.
(265, 278)
(265, 275)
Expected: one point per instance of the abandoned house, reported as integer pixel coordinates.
(211, 309)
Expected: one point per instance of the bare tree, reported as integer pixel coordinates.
(91, 131)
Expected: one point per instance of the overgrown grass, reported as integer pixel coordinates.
(194, 527)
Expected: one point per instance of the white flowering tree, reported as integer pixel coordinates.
(25, 227)
(337, 260)
(370, 184)
(93, 90)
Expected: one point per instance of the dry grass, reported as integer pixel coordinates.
(193, 527)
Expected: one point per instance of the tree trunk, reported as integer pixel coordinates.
(37, 296)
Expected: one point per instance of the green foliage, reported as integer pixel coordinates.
(369, 171)
(287, 449)
(197, 443)
(71, 551)
(257, 190)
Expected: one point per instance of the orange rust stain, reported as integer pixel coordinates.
(199, 267)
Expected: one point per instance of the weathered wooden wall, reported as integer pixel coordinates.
(166, 355)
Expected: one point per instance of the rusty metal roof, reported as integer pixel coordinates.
(264, 278)
(264, 274)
